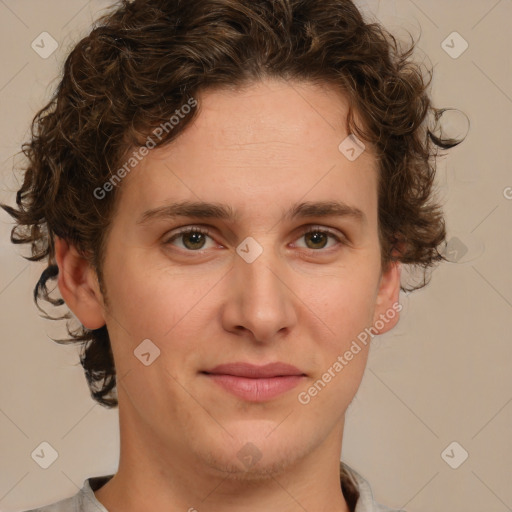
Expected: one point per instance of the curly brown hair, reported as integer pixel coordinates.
(146, 58)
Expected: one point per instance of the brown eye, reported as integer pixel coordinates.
(192, 239)
(318, 239)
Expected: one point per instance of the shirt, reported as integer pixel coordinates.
(85, 501)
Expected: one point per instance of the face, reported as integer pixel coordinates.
(272, 282)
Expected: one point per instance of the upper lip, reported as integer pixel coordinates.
(240, 369)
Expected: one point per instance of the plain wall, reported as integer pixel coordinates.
(442, 375)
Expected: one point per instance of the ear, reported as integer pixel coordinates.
(387, 309)
(78, 285)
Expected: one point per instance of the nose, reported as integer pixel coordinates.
(260, 302)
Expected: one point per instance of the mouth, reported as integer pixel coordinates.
(252, 371)
(255, 383)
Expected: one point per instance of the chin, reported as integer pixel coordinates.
(257, 459)
(240, 471)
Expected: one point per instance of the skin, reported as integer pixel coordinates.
(302, 301)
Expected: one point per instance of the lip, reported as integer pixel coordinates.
(252, 371)
(256, 383)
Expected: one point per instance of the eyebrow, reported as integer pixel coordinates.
(210, 210)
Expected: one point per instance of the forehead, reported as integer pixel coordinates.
(271, 112)
(271, 138)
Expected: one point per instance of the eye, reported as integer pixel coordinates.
(317, 237)
(193, 239)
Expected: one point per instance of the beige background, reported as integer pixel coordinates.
(444, 373)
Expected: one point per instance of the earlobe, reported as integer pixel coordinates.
(78, 286)
(387, 310)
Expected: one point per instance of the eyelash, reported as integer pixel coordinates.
(341, 240)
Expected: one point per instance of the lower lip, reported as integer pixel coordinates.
(256, 390)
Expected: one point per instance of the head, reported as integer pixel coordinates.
(247, 106)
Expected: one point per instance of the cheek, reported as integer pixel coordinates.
(344, 303)
(341, 355)
(148, 300)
